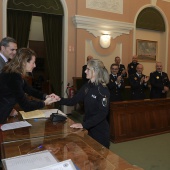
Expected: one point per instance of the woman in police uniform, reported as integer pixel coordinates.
(95, 95)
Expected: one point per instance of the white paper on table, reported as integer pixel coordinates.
(29, 161)
(15, 125)
(64, 165)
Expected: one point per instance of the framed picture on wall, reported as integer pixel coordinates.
(146, 50)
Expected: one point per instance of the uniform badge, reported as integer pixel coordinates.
(104, 101)
(135, 78)
(93, 96)
(131, 66)
(157, 77)
(86, 90)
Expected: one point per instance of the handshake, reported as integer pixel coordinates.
(52, 98)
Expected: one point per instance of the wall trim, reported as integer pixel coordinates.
(97, 26)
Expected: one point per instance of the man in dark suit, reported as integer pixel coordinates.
(132, 65)
(138, 83)
(85, 80)
(122, 70)
(159, 82)
(116, 84)
(8, 50)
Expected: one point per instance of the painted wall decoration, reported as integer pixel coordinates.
(146, 50)
(115, 6)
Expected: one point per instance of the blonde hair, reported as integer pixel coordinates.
(16, 65)
(101, 73)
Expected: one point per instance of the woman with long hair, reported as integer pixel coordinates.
(13, 86)
(95, 96)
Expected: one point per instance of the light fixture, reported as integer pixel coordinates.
(105, 40)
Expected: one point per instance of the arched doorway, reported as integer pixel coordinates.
(64, 37)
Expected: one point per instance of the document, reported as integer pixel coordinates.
(30, 161)
(64, 165)
(15, 125)
(41, 113)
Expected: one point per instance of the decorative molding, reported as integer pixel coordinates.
(167, 0)
(98, 27)
(153, 2)
(114, 6)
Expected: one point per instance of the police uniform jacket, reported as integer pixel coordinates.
(137, 88)
(12, 90)
(158, 81)
(115, 89)
(121, 68)
(132, 68)
(96, 105)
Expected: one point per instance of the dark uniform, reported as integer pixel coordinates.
(158, 81)
(96, 105)
(121, 68)
(115, 89)
(12, 90)
(132, 68)
(137, 89)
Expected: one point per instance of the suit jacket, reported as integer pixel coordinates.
(115, 90)
(158, 81)
(12, 90)
(137, 89)
(2, 63)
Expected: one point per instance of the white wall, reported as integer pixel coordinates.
(36, 31)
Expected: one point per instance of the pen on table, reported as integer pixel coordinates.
(39, 147)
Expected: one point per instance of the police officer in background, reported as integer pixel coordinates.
(116, 84)
(138, 83)
(132, 66)
(122, 70)
(159, 82)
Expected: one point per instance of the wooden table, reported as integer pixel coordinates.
(64, 142)
(40, 127)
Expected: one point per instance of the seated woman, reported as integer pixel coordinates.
(13, 87)
(95, 96)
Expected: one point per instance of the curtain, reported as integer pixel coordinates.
(53, 43)
(18, 26)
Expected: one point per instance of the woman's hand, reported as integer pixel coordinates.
(77, 125)
(13, 113)
(49, 101)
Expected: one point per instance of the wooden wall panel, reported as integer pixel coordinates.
(138, 119)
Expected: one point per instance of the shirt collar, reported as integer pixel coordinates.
(4, 58)
(138, 74)
(114, 75)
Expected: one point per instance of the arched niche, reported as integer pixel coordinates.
(65, 36)
(151, 24)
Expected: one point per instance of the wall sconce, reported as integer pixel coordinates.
(105, 40)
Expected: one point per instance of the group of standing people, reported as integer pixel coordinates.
(158, 81)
